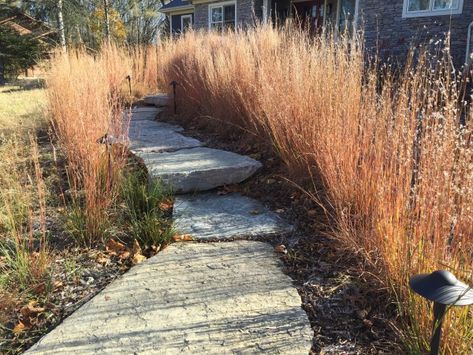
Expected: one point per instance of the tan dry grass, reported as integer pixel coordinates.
(330, 116)
(85, 100)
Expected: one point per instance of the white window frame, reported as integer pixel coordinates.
(337, 10)
(189, 16)
(222, 4)
(265, 9)
(431, 12)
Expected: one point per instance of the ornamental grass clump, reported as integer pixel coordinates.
(387, 148)
(85, 102)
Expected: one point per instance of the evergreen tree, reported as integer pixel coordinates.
(17, 52)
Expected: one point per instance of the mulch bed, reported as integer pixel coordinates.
(349, 309)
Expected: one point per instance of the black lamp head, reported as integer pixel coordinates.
(442, 287)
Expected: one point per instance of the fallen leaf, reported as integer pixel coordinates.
(279, 210)
(255, 212)
(182, 238)
(138, 258)
(31, 309)
(39, 289)
(32, 306)
(57, 284)
(20, 327)
(114, 246)
(125, 255)
(136, 247)
(166, 205)
(280, 249)
(154, 249)
(102, 259)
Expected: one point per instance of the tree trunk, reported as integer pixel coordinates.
(2, 73)
(60, 18)
(107, 20)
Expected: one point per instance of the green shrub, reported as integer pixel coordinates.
(144, 215)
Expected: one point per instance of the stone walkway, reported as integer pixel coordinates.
(194, 298)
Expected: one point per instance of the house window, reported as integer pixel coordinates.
(186, 22)
(222, 15)
(418, 8)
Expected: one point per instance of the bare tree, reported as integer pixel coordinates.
(107, 20)
(60, 19)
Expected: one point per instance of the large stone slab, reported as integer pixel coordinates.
(144, 127)
(209, 216)
(192, 298)
(136, 109)
(158, 100)
(141, 115)
(158, 139)
(199, 169)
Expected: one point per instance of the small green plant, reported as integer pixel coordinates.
(24, 269)
(75, 224)
(145, 213)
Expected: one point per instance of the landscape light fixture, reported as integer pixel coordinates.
(443, 288)
(174, 84)
(128, 77)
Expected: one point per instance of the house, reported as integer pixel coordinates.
(390, 27)
(25, 25)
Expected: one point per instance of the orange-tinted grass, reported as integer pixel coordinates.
(395, 164)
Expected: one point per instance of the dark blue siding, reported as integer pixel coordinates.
(176, 22)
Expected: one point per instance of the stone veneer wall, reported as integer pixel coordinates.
(244, 8)
(390, 33)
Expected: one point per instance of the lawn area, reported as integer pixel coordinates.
(21, 108)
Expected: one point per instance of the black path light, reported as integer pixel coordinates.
(443, 288)
(128, 78)
(174, 84)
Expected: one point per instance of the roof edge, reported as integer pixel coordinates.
(177, 8)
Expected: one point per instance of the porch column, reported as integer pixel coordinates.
(265, 11)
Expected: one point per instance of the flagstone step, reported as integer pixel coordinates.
(209, 216)
(142, 115)
(147, 127)
(160, 140)
(192, 298)
(198, 169)
(137, 109)
(158, 100)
